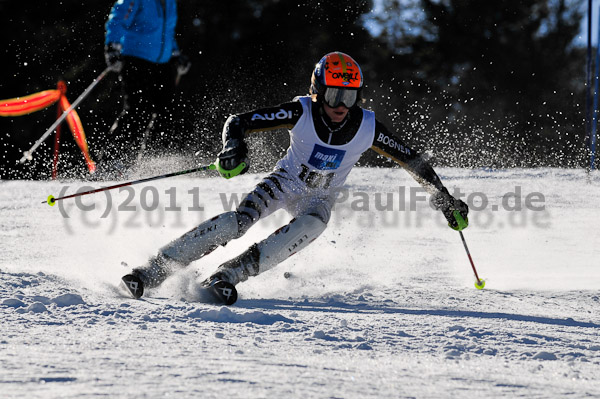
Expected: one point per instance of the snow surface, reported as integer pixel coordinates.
(382, 305)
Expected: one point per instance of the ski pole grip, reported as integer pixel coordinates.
(461, 222)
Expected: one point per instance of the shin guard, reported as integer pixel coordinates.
(193, 245)
(276, 248)
(203, 239)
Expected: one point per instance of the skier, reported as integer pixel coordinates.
(328, 133)
(140, 45)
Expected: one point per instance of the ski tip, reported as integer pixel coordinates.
(224, 292)
(133, 285)
(480, 284)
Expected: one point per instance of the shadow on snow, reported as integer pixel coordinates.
(307, 305)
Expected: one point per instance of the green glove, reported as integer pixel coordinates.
(461, 223)
(228, 174)
(233, 159)
(455, 210)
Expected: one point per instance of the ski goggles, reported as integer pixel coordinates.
(335, 96)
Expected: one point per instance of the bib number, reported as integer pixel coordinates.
(315, 179)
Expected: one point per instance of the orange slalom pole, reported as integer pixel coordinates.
(78, 133)
(27, 104)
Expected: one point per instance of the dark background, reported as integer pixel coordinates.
(474, 83)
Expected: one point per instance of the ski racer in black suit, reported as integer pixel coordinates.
(328, 133)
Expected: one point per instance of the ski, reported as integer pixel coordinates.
(218, 292)
(133, 285)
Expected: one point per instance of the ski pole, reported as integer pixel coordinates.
(27, 155)
(480, 283)
(51, 200)
(461, 225)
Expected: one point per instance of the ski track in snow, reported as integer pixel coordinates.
(381, 305)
